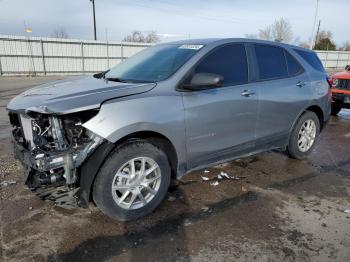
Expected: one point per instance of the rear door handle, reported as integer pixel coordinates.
(247, 93)
(301, 84)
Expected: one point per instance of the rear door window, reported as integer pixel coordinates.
(271, 62)
(229, 61)
(311, 58)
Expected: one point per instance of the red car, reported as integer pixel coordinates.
(340, 90)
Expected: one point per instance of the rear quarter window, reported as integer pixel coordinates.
(311, 58)
(294, 68)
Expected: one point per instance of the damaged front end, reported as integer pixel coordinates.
(52, 149)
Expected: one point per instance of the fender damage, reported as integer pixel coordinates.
(50, 140)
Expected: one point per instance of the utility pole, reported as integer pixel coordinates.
(318, 31)
(314, 25)
(93, 10)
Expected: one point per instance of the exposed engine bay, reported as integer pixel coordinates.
(52, 148)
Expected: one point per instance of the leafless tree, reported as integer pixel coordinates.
(139, 37)
(279, 31)
(282, 31)
(266, 33)
(152, 37)
(60, 32)
(346, 46)
(304, 44)
(251, 36)
(135, 36)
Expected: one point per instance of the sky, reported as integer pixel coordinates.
(174, 19)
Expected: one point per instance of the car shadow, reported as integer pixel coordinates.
(103, 248)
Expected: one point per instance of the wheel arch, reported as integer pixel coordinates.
(160, 141)
(318, 111)
(313, 108)
(91, 166)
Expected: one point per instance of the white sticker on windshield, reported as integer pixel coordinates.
(193, 47)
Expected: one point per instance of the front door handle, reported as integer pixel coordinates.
(301, 84)
(247, 93)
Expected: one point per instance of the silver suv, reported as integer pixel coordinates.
(120, 136)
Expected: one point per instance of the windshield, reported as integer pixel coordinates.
(153, 64)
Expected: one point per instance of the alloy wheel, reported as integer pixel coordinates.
(136, 183)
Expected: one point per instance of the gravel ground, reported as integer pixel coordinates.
(279, 209)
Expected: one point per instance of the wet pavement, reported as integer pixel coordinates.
(278, 209)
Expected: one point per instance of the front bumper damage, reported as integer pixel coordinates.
(53, 174)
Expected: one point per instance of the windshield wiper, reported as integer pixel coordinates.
(116, 79)
(101, 74)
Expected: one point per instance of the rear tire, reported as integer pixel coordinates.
(335, 109)
(304, 136)
(126, 170)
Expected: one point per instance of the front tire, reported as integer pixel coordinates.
(335, 109)
(133, 181)
(304, 136)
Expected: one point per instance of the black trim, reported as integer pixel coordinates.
(89, 170)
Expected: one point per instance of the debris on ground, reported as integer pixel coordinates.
(347, 211)
(187, 222)
(206, 171)
(171, 198)
(225, 175)
(221, 176)
(6, 183)
(205, 209)
(244, 189)
(216, 183)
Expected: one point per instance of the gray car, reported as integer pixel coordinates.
(120, 136)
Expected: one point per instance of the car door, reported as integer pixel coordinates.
(284, 87)
(220, 122)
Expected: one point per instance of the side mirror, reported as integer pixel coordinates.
(204, 80)
(347, 68)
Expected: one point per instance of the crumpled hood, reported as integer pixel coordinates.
(73, 95)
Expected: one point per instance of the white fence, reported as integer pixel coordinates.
(334, 59)
(42, 56)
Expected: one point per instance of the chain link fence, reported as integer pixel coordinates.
(49, 56)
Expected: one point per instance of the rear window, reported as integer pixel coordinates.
(271, 62)
(294, 68)
(311, 58)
